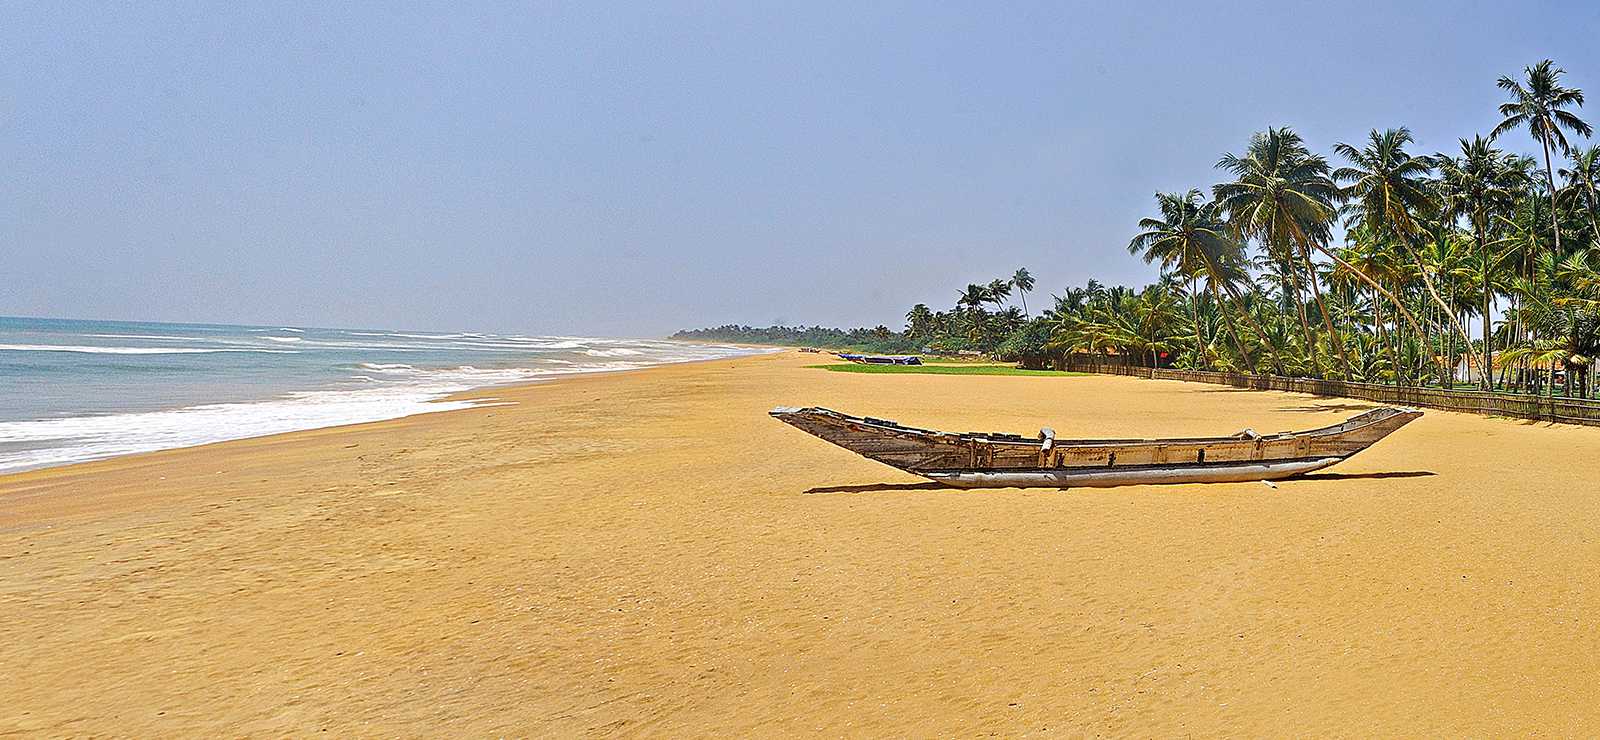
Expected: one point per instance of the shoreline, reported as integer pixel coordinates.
(648, 552)
(468, 395)
(43, 482)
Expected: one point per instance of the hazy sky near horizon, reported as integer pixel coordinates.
(624, 169)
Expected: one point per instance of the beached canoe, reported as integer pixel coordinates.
(880, 359)
(987, 460)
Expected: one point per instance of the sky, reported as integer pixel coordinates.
(628, 169)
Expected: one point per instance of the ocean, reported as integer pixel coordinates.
(75, 390)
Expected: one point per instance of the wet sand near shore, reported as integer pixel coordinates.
(649, 553)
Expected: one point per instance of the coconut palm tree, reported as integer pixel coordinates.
(919, 321)
(1560, 302)
(1009, 320)
(1446, 253)
(1191, 240)
(1280, 191)
(1378, 261)
(974, 298)
(1582, 176)
(999, 290)
(1023, 282)
(978, 327)
(1154, 321)
(1385, 188)
(1388, 193)
(1282, 195)
(1523, 240)
(1482, 184)
(1540, 106)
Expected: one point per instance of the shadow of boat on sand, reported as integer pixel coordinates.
(931, 486)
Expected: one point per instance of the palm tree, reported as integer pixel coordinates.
(978, 328)
(1522, 244)
(1583, 175)
(1388, 188)
(1366, 256)
(1010, 319)
(1388, 194)
(1023, 282)
(1447, 254)
(1539, 105)
(1559, 304)
(999, 290)
(974, 297)
(1153, 318)
(1481, 185)
(1191, 240)
(919, 320)
(1283, 196)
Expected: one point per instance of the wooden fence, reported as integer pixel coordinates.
(1538, 408)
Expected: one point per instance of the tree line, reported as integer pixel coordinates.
(1477, 266)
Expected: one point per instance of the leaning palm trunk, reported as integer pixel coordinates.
(1488, 340)
(1233, 330)
(1277, 362)
(1427, 282)
(1378, 341)
(1327, 318)
(1380, 338)
(1399, 307)
(1300, 310)
(1450, 343)
(1194, 311)
(1588, 197)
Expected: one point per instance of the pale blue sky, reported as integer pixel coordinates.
(627, 169)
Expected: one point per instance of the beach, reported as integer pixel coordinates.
(646, 552)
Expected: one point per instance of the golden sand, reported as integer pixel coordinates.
(649, 553)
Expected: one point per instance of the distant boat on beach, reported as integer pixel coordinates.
(880, 359)
(994, 460)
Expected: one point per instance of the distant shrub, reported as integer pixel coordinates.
(1027, 346)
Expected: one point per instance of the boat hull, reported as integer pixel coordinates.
(995, 460)
(1110, 477)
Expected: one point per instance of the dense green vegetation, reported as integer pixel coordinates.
(881, 339)
(940, 369)
(1475, 266)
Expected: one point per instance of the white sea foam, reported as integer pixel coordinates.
(387, 367)
(139, 336)
(133, 350)
(355, 391)
(92, 437)
(363, 345)
(432, 336)
(461, 335)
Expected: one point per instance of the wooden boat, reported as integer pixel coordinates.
(985, 460)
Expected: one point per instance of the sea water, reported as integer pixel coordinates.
(75, 390)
